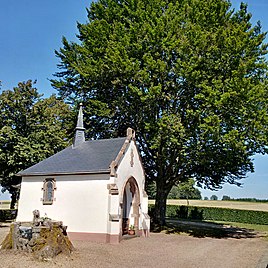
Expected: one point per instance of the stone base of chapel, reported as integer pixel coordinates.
(102, 238)
(94, 237)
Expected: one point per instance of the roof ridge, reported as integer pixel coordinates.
(108, 139)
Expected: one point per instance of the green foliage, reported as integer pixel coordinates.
(185, 190)
(205, 198)
(150, 189)
(246, 199)
(214, 197)
(8, 214)
(226, 197)
(251, 200)
(4, 202)
(189, 77)
(31, 129)
(215, 214)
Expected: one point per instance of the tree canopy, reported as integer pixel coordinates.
(31, 129)
(190, 78)
(214, 197)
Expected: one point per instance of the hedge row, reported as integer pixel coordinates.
(250, 200)
(8, 214)
(4, 202)
(215, 214)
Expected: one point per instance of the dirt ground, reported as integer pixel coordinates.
(159, 250)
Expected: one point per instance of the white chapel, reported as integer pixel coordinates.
(95, 187)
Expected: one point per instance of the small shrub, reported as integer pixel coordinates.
(8, 214)
(226, 197)
(183, 212)
(196, 214)
(214, 197)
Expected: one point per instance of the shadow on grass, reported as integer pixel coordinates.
(203, 229)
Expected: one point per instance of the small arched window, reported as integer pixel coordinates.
(48, 191)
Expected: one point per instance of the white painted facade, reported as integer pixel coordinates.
(77, 199)
(86, 203)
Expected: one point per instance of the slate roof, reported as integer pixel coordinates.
(94, 156)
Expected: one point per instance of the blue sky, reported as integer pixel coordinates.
(30, 31)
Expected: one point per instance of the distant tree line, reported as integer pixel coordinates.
(228, 198)
(248, 200)
(185, 190)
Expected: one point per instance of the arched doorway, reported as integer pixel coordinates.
(130, 206)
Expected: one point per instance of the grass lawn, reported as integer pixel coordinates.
(215, 229)
(256, 227)
(263, 229)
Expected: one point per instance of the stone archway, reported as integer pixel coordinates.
(130, 206)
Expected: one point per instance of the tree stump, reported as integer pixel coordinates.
(45, 242)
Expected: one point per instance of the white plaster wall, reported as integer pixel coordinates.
(126, 171)
(113, 227)
(81, 201)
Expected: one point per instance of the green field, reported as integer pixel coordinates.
(223, 204)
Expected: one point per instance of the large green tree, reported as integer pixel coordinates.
(189, 77)
(31, 129)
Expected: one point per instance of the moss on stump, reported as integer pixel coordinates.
(50, 241)
(7, 243)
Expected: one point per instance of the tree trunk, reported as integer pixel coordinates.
(160, 205)
(13, 200)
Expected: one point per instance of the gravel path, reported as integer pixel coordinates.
(159, 250)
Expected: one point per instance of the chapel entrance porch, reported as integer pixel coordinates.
(130, 207)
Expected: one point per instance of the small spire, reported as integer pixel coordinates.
(79, 130)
